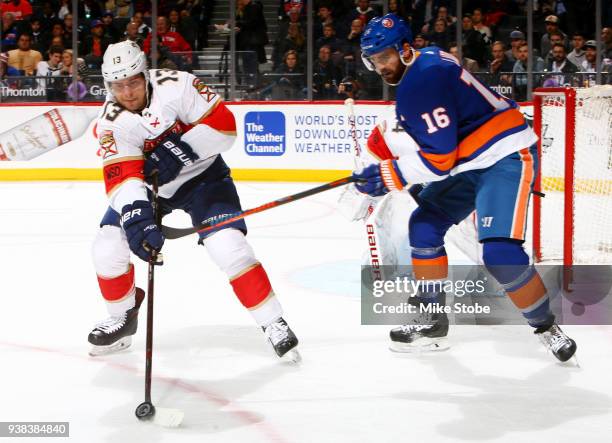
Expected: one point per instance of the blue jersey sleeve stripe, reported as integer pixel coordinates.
(498, 124)
(491, 142)
(432, 167)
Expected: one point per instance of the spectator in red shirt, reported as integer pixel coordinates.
(21, 9)
(170, 43)
(290, 5)
(172, 40)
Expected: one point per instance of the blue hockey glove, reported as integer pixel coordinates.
(143, 234)
(379, 178)
(169, 157)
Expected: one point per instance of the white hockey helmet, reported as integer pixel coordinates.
(122, 60)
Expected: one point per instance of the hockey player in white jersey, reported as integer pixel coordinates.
(171, 122)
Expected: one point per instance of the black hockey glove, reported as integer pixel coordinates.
(169, 157)
(143, 234)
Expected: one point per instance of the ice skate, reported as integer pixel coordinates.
(282, 339)
(556, 341)
(426, 332)
(115, 333)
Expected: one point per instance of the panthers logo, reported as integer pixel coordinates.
(203, 90)
(108, 146)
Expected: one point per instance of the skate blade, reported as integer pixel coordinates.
(119, 345)
(292, 356)
(422, 345)
(572, 362)
(167, 417)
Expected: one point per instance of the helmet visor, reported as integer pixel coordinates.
(376, 62)
(130, 84)
(367, 62)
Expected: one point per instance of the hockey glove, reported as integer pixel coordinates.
(169, 157)
(379, 178)
(143, 234)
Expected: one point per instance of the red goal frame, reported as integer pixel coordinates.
(569, 95)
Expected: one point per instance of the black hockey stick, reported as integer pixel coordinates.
(146, 410)
(172, 233)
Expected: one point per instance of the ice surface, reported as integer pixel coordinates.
(495, 384)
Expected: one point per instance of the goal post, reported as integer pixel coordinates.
(572, 224)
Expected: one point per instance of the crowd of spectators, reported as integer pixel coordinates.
(37, 40)
(494, 45)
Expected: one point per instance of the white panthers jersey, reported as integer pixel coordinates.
(178, 102)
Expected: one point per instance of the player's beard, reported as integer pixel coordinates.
(393, 78)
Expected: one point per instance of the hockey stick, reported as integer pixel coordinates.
(173, 233)
(350, 104)
(381, 252)
(372, 237)
(146, 411)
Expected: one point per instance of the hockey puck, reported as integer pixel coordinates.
(145, 411)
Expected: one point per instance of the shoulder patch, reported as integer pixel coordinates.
(203, 90)
(108, 147)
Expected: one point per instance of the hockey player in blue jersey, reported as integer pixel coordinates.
(477, 152)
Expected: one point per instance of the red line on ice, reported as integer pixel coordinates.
(246, 416)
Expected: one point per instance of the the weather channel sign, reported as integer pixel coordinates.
(264, 133)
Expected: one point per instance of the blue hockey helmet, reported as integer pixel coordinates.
(389, 31)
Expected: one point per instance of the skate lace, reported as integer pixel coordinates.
(555, 339)
(111, 324)
(277, 331)
(418, 324)
(414, 328)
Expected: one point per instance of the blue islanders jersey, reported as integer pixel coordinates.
(458, 123)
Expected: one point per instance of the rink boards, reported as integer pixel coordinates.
(276, 141)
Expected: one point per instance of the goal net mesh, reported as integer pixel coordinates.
(588, 210)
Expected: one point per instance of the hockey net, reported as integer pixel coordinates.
(573, 222)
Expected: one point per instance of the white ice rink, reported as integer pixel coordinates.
(496, 383)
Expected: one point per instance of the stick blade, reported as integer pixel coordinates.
(174, 233)
(168, 417)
